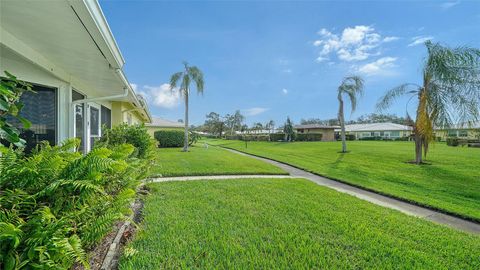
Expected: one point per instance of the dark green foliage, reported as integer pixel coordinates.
(169, 138)
(275, 137)
(135, 135)
(11, 89)
(288, 130)
(308, 137)
(350, 137)
(57, 203)
(193, 138)
(452, 141)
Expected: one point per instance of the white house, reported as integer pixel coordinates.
(379, 130)
(66, 50)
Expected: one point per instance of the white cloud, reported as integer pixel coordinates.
(390, 39)
(285, 91)
(448, 5)
(254, 111)
(378, 67)
(321, 59)
(160, 96)
(419, 40)
(353, 44)
(287, 70)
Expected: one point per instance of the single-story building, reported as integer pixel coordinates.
(464, 131)
(378, 130)
(161, 123)
(66, 50)
(328, 132)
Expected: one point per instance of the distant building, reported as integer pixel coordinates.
(161, 123)
(378, 130)
(328, 132)
(464, 131)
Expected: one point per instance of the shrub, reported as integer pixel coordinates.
(350, 137)
(452, 141)
(309, 137)
(10, 106)
(57, 203)
(234, 137)
(135, 135)
(275, 137)
(169, 138)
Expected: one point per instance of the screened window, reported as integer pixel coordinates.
(40, 108)
(106, 117)
(395, 133)
(462, 133)
(79, 119)
(452, 133)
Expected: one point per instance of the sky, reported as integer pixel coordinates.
(273, 59)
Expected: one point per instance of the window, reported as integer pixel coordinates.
(452, 133)
(106, 117)
(394, 133)
(463, 133)
(41, 110)
(79, 115)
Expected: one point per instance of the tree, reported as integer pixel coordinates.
(327, 122)
(288, 130)
(270, 125)
(257, 127)
(185, 77)
(214, 123)
(351, 86)
(449, 93)
(379, 118)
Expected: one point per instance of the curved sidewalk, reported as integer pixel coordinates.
(404, 207)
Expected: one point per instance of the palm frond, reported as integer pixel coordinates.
(174, 80)
(387, 100)
(352, 86)
(197, 77)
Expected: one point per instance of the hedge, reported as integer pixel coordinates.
(275, 137)
(308, 137)
(169, 138)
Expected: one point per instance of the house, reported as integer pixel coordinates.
(161, 123)
(464, 131)
(378, 130)
(328, 132)
(66, 50)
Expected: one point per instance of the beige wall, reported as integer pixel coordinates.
(328, 134)
(122, 112)
(471, 134)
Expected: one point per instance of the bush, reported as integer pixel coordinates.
(174, 138)
(402, 139)
(350, 137)
(275, 137)
(234, 137)
(169, 138)
(453, 141)
(135, 135)
(308, 137)
(57, 203)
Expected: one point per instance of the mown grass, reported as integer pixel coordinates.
(287, 224)
(451, 183)
(208, 161)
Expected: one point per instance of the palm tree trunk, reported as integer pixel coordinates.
(341, 119)
(418, 148)
(185, 143)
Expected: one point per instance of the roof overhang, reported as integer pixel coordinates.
(71, 40)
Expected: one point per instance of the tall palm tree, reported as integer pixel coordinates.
(185, 77)
(351, 86)
(450, 92)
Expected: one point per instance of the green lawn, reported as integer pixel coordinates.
(450, 183)
(211, 161)
(286, 224)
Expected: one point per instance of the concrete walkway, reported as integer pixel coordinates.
(217, 177)
(404, 207)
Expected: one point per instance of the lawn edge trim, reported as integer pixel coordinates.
(427, 206)
(216, 174)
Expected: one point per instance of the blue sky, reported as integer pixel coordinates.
(277, 59)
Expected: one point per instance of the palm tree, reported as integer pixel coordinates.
(450, 93)
(185, 77)
(351, 86)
